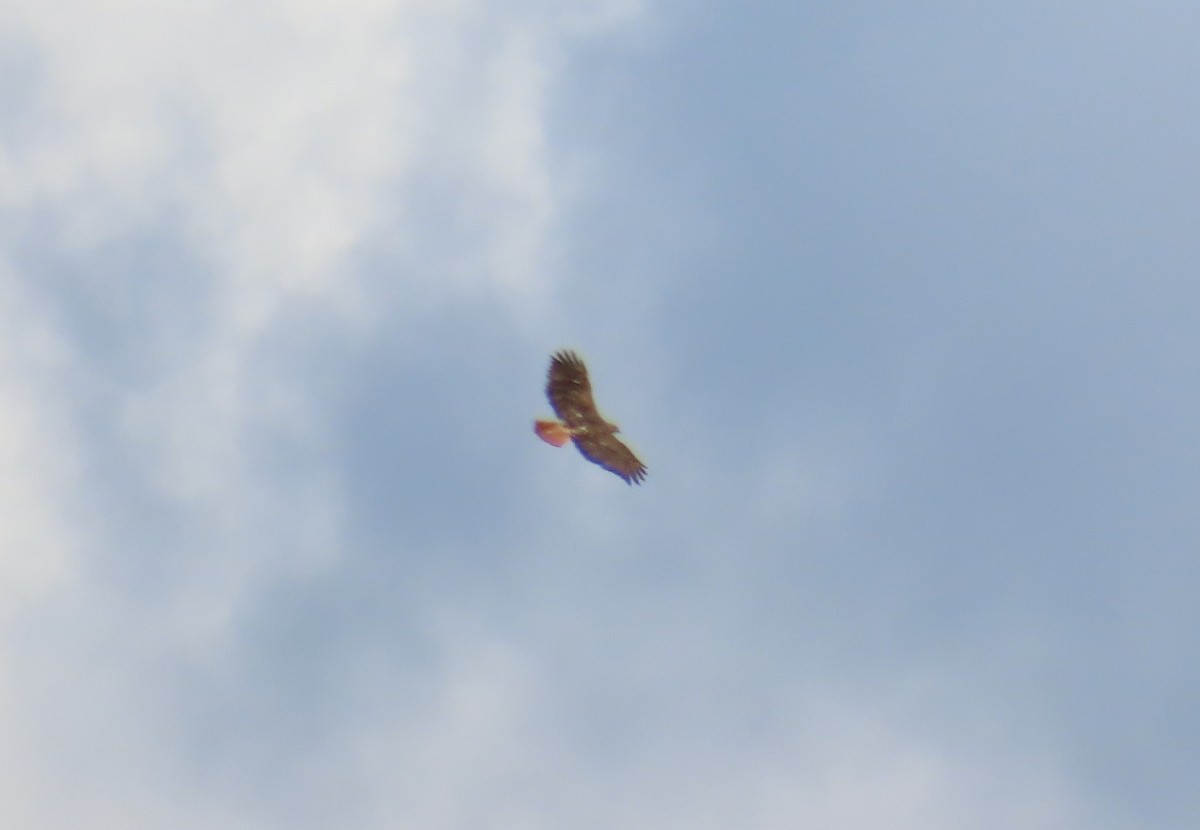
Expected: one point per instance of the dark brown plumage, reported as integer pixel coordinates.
(570, 395)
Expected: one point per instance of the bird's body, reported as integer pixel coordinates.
(570, 395)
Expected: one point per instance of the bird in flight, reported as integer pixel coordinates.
(570, 395)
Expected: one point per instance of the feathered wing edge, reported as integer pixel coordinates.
(569, 390)
(609, 452)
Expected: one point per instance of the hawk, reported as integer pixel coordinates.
(570, 395)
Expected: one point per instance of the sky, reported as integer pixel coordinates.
(897, 302)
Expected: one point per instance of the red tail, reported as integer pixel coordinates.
(552, 432)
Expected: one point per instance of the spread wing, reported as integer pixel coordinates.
(606, 449)
(569, 391)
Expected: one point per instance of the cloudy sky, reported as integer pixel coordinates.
(898, 302)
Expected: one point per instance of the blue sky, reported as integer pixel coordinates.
(898, 304)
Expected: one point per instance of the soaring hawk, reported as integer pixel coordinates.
(570, 395)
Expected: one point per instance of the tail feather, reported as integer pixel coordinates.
(552, 432)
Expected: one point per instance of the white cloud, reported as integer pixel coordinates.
(280, 136)
(39, 460)
(497, 740)
(278, 147)
(278, 141)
